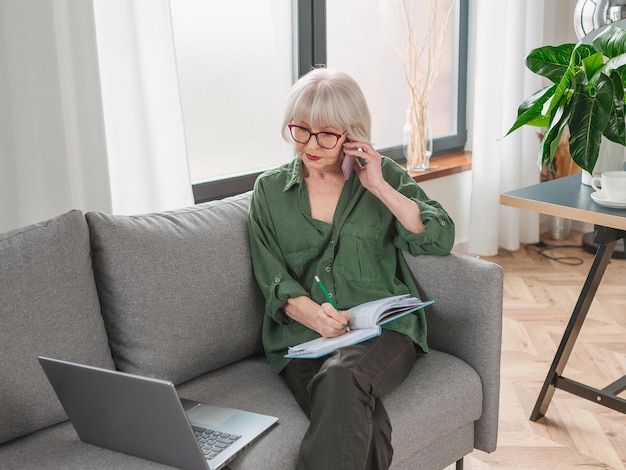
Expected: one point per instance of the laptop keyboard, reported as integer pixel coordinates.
(213, 442)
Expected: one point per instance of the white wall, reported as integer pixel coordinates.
(559, 22)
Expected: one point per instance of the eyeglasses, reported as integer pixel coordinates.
(326, 140)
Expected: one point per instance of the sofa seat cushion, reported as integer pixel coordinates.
(253, 385)
(177, 289)
(49, 307)
(59, 447)
(444, 395)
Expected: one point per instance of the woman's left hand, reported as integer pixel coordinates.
(370, 172)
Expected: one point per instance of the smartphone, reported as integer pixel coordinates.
(347, 166)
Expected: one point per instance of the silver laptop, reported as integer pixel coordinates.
(145, 417)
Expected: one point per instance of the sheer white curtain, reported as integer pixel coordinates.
(66, 142)
(142, 111)
(505, 33)
(52, 148)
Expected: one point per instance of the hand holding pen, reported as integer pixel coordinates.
(340, 316)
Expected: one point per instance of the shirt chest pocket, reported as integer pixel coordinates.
(299, 261)
(359, 254)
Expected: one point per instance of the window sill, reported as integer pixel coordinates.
(444, 165)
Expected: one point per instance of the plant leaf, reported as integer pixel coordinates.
(553, 61)
(617, 64)
(615, 129)
(611, 41)
(573, 74)
(590, 115)
(552, 137)
(530, 111)
(593, 65)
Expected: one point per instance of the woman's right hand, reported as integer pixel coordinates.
(324, 318)
(331, 322)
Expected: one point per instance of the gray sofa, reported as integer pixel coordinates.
(172, 295)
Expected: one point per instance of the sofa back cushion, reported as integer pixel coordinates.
(49, 306)
(177, 289)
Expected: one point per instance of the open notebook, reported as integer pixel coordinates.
(366, 322)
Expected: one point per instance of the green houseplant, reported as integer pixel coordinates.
(586, 95)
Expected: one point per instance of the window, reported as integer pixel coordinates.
(237, 61)
(235, 67)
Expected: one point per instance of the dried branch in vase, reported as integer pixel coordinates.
(421, 55)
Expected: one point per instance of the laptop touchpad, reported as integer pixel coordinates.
(208, 415)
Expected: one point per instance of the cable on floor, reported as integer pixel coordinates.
(542, 248)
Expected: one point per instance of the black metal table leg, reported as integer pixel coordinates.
(607, 239)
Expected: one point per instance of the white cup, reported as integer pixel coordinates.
(613, 185)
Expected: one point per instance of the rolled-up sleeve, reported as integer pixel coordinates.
(269, 265)
(438, 238)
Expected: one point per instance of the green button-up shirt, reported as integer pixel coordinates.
(358, 257)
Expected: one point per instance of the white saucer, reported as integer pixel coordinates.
(600, 198)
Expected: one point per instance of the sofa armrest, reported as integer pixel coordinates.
(466, 321)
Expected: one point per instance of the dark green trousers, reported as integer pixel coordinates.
(342, 396)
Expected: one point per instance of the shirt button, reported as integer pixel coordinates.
(327, 269)
(443, 222)
(277, 279)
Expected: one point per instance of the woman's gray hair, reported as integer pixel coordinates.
(329, 98)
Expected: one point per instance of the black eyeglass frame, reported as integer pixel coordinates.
(316, 134)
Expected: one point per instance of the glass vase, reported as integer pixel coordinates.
(417, 140)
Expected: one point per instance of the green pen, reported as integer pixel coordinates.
(329, 298)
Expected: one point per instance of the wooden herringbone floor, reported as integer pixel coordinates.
(539, 295)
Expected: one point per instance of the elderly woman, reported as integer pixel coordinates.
(309, 218)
